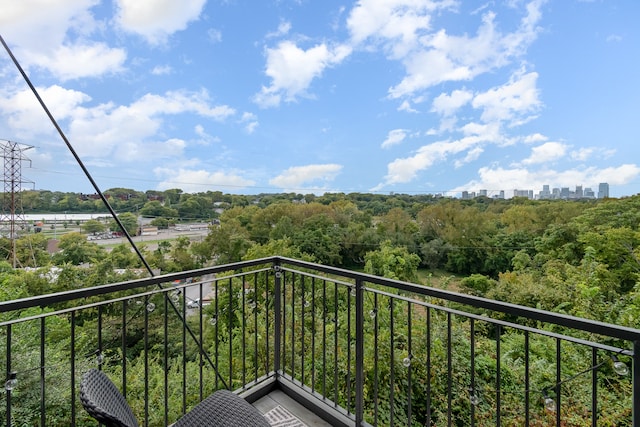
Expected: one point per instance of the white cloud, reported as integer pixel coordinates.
(297, 177)
(24, 114)
(447, 105)
(534, 138)
(103, 130)
(394, 137)
(472, 155)
(54, 35)
(250, 122)
(406, 106)
(155, 20)
(396, 24)
(512, 101)
(440, 57)
(215, 35)
(193, 181)
(283, 29)
(80, 60)
(42, 25)
(406, 169)
(107, 130)
(546, 153)
(292, 70)
(614, 38)
(162, 70)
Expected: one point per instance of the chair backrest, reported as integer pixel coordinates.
(103, 401)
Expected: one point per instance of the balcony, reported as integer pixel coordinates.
(351, 348)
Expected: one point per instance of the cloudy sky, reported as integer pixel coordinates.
(405, 96)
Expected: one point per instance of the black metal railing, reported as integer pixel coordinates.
(356, 349)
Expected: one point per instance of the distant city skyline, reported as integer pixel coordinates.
(563, 193)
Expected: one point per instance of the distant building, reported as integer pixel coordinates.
(589, 194)
(603, 190)
(545, 193)
(523, 193)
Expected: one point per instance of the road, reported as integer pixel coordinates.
(192, 293)
(151, 242)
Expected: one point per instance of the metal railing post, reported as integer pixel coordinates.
(359, 352)
(636, 384)
(277, 318)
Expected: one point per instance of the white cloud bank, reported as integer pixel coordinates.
(155, 20)
(300, 177)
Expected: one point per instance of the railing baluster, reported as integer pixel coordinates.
(498, 375)
(428, 423)
(73, 367)
(392, 363)
(636, 384)
(335, 343)
(302, 327)
(244, 330)
(216, 328)
(230, 332)
(449, 371)
(277, 308)
(527, 381)
(123, 346)
(325, 312)
(293, 325)
(313, 334)
(348, 392)
(255, 327)
(165, 358)
(594, 388)
(359, 403)
(409, 368)
(8, 376)
(146, 359)
(473, 393)
(282, 348)
(558, 381)
(267, 304)
(375, 358)
(201, 340)
(43, 417)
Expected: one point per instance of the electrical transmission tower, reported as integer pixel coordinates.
(12, 217)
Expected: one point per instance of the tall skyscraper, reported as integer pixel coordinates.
(603, 190)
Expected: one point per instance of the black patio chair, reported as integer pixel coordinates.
(103, 401)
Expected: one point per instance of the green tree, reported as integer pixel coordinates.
(75, 249)
(93, 226)
(392, 262)
(129, 222)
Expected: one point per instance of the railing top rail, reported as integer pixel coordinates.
(58, 297)
(591, 326)
(586, 325)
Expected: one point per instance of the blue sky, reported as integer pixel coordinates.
(405, 96)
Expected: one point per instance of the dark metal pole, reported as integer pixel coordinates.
(277, 322)
(636, 384)
(359, 352)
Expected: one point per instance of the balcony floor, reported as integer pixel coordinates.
(279, 398)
